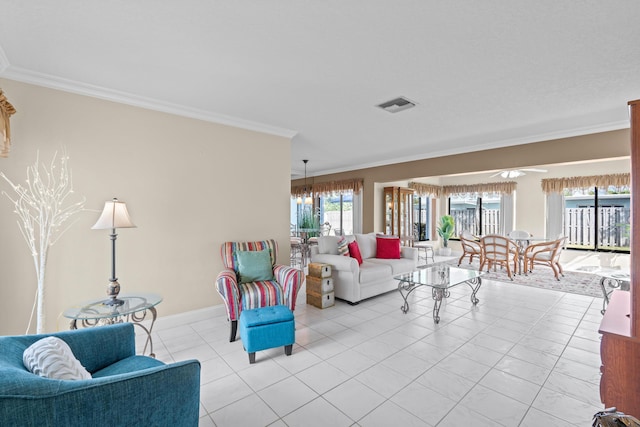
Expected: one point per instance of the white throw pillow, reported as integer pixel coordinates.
(367, 244)
(51, 357)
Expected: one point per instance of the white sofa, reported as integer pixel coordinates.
(353, 282)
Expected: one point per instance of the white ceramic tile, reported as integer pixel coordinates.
(423, 402)
(287, 395)
(383, 380)
(582, 356)
(213, 369)
(463, 416)
(325, 348)
(317, 413)
(564, 407)
(263, 374)
(200, 352)
(464, 367)
(492, 343)
(351, 362)
(578, 370)
(446, 382)
(220, 393)
(322, 377)
(584, 391)
(510, 385)
(537, 418)
(250, 411)
(205, 421)
(480, 354)
(354, 399)
(525, 370)
(406, 364)
(527, 354)
(390, 414)
(300, 359)
(495, 406)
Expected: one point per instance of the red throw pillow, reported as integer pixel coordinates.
(354, 251)
(387, 248)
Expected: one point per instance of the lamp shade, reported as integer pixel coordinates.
(114, 215)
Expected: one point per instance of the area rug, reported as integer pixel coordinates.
(541, 277)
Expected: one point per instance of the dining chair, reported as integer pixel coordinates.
(499, 250)
(470, 247)
(545, 253)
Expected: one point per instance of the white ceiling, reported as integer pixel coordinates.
(484, 74)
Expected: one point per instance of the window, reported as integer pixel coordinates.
(598, 218)
(422, 217)
(480, 215)
(337, 210)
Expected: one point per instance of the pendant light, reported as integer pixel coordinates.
(307, 199)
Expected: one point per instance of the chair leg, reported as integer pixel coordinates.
(234, 329)
(252, 357)
(287, 349)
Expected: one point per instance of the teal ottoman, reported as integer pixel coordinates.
(267, 327)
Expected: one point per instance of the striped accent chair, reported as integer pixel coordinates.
(237, 296)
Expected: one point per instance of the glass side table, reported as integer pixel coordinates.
(134, 310)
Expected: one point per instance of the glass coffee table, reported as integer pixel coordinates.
(440, 278)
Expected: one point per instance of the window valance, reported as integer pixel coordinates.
(490, 187)
(328, 188)
(426, 190)
(558, 185)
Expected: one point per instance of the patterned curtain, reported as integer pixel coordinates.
(426, 190)
(490, 187)
(328, 188)
(558, 185)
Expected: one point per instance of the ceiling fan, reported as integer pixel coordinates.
(514, 173)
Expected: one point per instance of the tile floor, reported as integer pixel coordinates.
(521, 357)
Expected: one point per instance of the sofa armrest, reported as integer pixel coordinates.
(409, 252)
(290, 279)
(163, 395)
(337, 262)
(227, 287)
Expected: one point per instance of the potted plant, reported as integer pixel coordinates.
(445, 230)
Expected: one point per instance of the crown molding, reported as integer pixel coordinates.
(540, 137)
(66, 85)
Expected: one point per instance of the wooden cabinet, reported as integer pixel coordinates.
(620, 327)
(398, 215)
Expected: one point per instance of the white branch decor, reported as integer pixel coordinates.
(43, 207)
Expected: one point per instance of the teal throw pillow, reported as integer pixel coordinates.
(254, 266)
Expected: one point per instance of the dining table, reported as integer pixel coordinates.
(523, 243)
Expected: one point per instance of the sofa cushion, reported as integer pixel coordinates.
(398, 266)
(354, 251)
(387, 247)
(367, 245)
(373, 272)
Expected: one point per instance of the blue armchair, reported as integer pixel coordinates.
(126, 389)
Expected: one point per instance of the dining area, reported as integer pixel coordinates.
(302, 238)
(517, 252)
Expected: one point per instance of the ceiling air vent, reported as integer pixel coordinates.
(397, 104)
